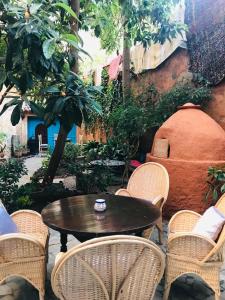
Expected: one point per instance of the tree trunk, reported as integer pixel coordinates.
(126, 67)
(126, 53)
(56, 156)
(62, 136)
(75, 5)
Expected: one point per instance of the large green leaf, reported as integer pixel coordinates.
(67, 8)
(51, 89)
(25, 81)
(36, 109)
(34, 8)
(59, 104)
(49, 48)
(15, 116)
(222, 188)
(13, 102)
(96, 106)
(70, 37)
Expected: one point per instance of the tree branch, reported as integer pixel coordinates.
(5, 93)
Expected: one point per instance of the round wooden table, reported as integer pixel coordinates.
(76, 216)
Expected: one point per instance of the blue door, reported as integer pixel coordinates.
(52, 131)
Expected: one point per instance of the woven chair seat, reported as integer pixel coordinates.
(192, 253)
(24, 254)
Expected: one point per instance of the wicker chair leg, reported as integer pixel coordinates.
(159, 226)
(166, 292)
(41, 296)
(217, 297)
(147, 233)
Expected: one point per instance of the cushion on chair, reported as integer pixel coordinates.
(210, 223)
(7, 225)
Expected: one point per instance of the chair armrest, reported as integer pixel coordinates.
(29, 221)
(19, 246)
(123, 192)
(183, 221)
(158, 201)
(190, 246)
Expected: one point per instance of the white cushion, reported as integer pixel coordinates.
(210, 223)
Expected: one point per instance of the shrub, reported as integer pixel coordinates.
(10, 173)
(128, 124)
(71, 152)
(91, 179)
(216, 182)
(168, 102)
(45, 161)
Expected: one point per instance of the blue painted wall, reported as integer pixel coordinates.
(52, 130)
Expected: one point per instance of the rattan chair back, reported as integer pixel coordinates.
(117, 267)
(221, 240)
(149, 181)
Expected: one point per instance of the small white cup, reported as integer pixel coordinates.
(100, 205)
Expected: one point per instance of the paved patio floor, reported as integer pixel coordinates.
(186, 288)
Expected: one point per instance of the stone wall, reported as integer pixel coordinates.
(216, 107)
(172, 70)
(176, 69)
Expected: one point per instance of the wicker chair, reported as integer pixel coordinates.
(114, 267)
(23, 254)
(192, 253)
(149, 181)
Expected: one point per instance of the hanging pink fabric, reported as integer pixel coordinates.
(114, 67)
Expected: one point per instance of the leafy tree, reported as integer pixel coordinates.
(130, 22)
(39, 42)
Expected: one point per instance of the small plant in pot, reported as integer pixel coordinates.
(2, 144)
(24, 150)
(18, 151)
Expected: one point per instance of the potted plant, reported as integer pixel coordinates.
(2, 144)
(18, 151)
(24, 150)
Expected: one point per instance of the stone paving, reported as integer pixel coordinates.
(32, 164)
(186, 288)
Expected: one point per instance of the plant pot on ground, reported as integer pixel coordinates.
(24, 150)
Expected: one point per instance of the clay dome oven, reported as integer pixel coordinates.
(187, 144)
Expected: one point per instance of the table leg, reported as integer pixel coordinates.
(63, 240)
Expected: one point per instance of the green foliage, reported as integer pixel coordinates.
(71, 152)
(216, 183)
(106, 22)
(45, 161)
(38, 56)
(33, 195)
(90, 179)
(145, 22)
(23, 202)
(10, 173)
(177, 96)
(70, 100)
(109, 99)
(2, 48)
(128, 123)
(2, 141)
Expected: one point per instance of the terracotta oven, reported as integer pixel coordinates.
(187, 144)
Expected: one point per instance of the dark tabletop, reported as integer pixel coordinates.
(76, 215)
